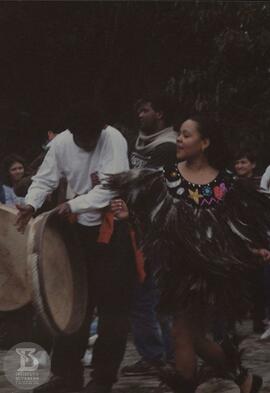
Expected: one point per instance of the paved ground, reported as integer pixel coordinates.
(256, 357)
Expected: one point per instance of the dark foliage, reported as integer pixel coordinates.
(209, 55)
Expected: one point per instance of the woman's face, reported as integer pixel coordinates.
(16, 171)
(190, 143)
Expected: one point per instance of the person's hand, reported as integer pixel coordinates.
(263, 253)
(25, 212)
(63, 209)
(119, 209)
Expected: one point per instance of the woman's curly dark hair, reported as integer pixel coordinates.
(217, 152)
(8, 161)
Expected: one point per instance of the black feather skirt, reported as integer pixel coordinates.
(197, 239)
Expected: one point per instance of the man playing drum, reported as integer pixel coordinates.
(82, 154)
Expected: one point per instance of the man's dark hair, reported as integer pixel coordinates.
(217, 153)
(56, 125)
(86, 117)
(250, 154)
(160, 103)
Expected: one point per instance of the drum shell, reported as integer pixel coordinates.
(15, 285)
(58, 273)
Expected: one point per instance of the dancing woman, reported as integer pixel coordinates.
(207, 230)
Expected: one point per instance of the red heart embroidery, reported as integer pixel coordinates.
(219, 191)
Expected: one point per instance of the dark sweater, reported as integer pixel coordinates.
(162, 156)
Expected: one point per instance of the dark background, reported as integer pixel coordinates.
(209, 55)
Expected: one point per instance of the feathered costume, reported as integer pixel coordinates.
(198, 238)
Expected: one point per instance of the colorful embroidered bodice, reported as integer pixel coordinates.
(199, 195)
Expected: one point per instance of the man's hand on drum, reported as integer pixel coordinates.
(119, 209)
(63, 209)
(25, 212)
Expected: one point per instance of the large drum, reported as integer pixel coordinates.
(44, 265)
(15, 290)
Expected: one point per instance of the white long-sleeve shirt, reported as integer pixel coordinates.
(81, 169)
(265, 180)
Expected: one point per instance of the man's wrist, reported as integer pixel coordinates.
(30, 207)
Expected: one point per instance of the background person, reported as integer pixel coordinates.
(154, 147)
(245, 166)
(265, 185)
(12, 173)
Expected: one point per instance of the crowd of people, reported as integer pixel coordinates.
(187, 249)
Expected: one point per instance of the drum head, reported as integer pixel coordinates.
(58, 274)
(15, 291)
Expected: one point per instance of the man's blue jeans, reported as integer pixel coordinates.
(152, 334)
